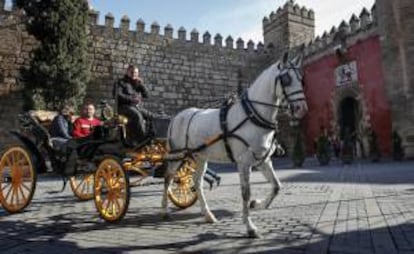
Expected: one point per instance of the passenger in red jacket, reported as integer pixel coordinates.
(83, 126)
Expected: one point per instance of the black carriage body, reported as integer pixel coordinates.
(37, 140)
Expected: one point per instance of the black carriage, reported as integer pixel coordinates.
(101, 169)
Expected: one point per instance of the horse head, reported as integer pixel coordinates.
(289, 80)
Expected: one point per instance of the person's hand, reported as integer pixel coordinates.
(137, 99)
(140, 81)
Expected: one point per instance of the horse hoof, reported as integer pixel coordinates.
(211, 218)
(253, 234)
(253, 204)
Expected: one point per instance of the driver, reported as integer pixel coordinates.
(130, 92)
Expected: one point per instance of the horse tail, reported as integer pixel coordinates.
(170, 145)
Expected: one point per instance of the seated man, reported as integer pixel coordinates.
(83, 126)
(130, 92)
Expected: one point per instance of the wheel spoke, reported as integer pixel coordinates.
(5, 186)
(86, 182)
(83, 188)
(77, 186)
(27, 188)
(22, 193)
(118, 206)
(8, 161)
(12, 158)
(8, 193)
(12, 195)
(109, 202)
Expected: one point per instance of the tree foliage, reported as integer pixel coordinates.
(59, 70)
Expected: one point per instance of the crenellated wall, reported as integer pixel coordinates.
(347, 34)
(181, 71)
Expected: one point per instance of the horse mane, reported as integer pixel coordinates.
(263, 75)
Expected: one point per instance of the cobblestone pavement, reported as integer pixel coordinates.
(361, 208)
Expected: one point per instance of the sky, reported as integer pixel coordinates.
(238, 18)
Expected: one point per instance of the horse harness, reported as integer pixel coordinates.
(251, 115)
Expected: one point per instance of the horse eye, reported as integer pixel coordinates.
(285, 79)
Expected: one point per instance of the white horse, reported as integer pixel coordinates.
(252, 128)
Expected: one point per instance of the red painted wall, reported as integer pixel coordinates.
(320, 87)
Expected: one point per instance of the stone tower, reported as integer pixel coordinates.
(289, 27)
(395, 22)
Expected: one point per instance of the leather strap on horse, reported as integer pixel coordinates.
(223, 124)
(253, 115)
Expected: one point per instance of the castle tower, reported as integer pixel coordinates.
(395, 24)
(289, 27)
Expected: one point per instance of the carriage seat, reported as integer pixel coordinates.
(44, 117)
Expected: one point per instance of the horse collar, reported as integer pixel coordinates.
(253, 115)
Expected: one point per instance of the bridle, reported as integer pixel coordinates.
(285, 80)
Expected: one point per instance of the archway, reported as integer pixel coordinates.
(348, 115)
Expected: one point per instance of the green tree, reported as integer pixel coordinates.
(59, 70)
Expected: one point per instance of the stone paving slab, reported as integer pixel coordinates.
(361, 208)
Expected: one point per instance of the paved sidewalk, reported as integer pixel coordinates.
(361, 208)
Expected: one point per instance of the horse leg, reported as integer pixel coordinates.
(169, 177)
(199, 177)
(244, 173)
(268, 172)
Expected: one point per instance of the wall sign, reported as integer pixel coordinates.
(346, 74)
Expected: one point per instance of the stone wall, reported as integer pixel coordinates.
(396, 27)
(15, 48)
(180, 72)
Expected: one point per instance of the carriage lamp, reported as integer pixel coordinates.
(122, 120)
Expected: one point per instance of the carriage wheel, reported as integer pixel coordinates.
(182, 192)
(111, 190)
(17, 179)
(82, 186)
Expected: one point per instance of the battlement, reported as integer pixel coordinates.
(289, 26)
(156, 36)
(294, 11)
(358, 27)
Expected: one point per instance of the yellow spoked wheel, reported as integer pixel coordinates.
(17, 179)
(182, 191)
(111, 190)
(82, 186)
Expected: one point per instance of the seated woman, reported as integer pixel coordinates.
(61, 127)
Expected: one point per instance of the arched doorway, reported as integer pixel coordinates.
(348, 115)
